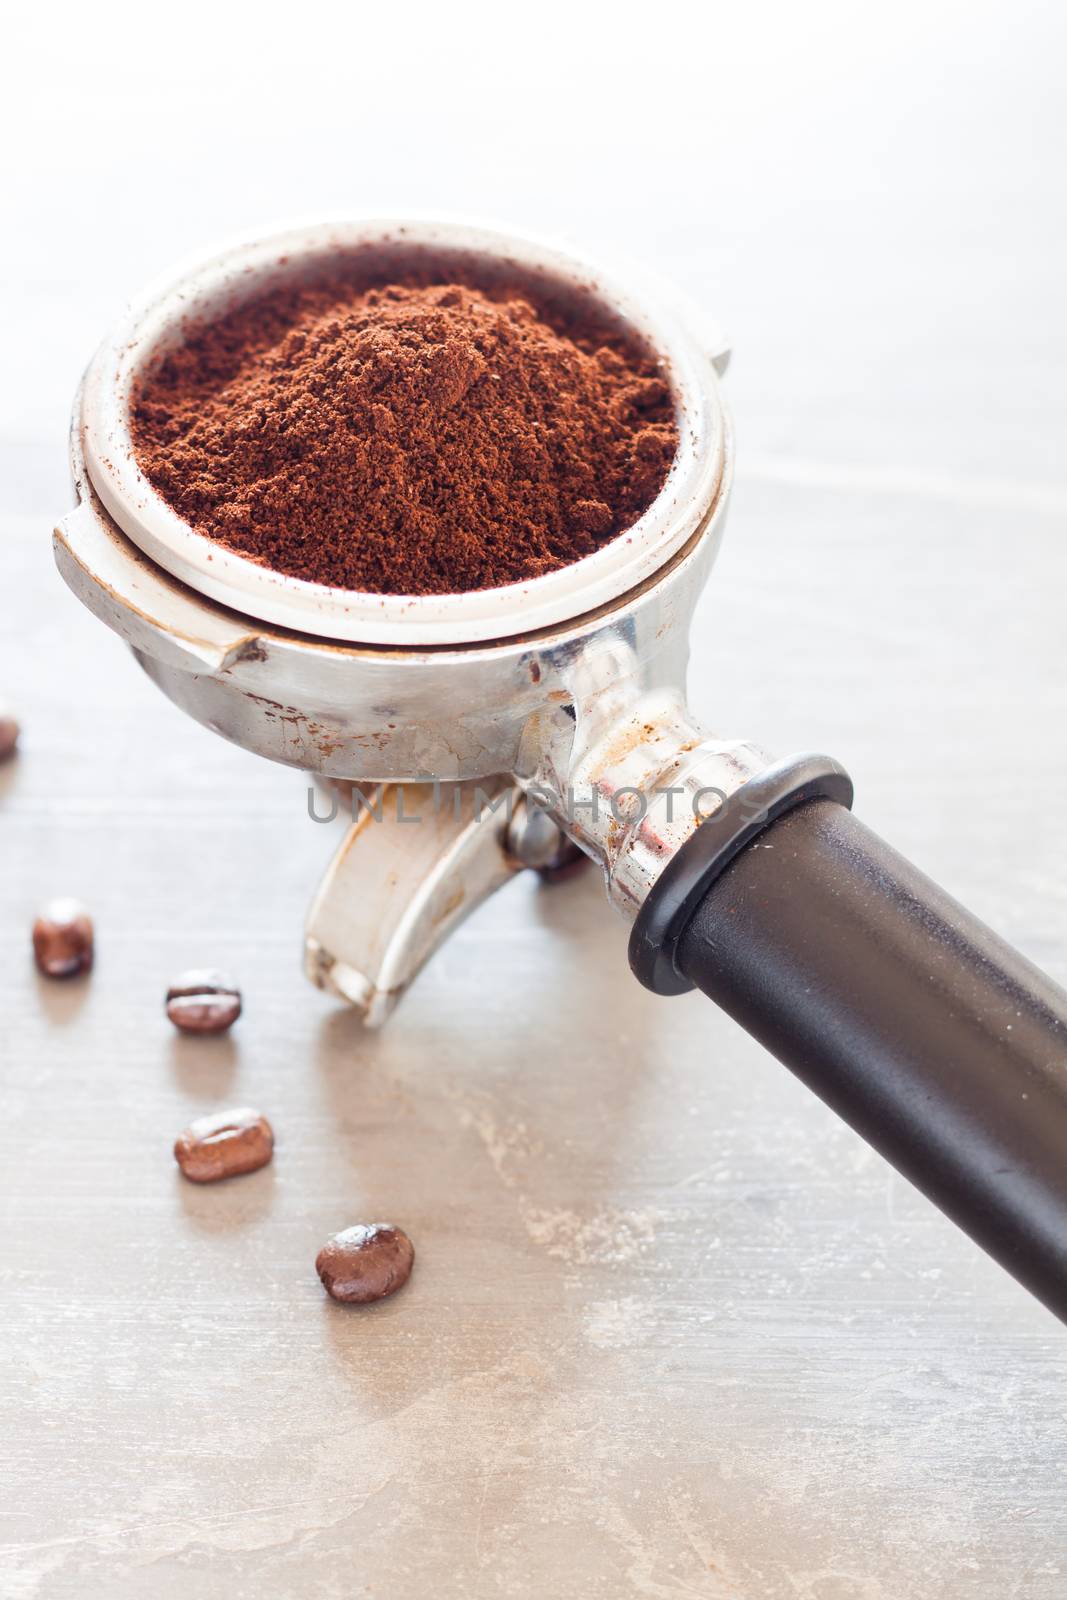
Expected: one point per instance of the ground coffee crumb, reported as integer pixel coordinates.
(406, 438)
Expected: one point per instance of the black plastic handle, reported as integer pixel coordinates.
(935, 1040)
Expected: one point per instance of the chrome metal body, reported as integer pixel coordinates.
(585, 717)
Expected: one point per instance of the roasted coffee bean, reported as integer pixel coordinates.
(365, 1263)
(63, 939)
(9, 734)
(224, 1144)
(203, 1001)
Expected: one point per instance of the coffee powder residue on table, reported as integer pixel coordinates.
(409, 437)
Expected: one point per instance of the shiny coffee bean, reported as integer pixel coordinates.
(224, 1144)
(9, 734)
(203, 1001)
(63, 939)
(365, 1263)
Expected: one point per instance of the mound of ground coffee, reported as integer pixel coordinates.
(409, 437)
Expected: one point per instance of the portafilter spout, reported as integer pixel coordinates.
(555, 710)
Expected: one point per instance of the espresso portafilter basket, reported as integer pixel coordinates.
(514, 723)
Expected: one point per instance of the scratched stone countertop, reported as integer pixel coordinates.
(673, 1332)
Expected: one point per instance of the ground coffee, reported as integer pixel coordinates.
(410, 437)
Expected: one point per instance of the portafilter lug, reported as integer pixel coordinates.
(416, 859)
